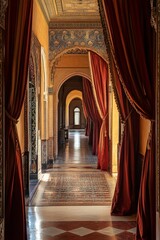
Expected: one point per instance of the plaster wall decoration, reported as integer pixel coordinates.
(36, 56)
(3, 7)
(44, 153)
(26, 144)
(34, 85)
(66, 39)
(50, 148)
(32, 130)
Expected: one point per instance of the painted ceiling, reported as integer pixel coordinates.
(70, 10)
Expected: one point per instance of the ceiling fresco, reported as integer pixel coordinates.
(70, 9)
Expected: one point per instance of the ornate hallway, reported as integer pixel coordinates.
(73, 199)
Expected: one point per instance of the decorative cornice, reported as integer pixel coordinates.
(77, 51)
(75, 25)
(3, 7)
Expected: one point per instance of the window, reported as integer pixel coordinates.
(76, 116)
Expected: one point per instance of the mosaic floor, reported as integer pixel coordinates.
(73, 200)
(72, 188)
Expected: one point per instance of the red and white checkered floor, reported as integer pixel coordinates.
(61, 208)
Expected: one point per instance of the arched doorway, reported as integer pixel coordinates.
(70, 96)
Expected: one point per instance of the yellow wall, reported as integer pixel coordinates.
(144, 131)
(73, 60)
(40, 26)
(20, 129)
(115, 134)
(40, 29)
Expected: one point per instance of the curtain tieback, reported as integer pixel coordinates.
(125, 120)
(105, 130)
(11, 118)
(150, 135)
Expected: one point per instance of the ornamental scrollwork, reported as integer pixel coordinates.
(63, 39)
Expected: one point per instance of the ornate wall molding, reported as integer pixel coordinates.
(75, 25)
(32, 130)
(66, 39)
(36, 59)
(50, 149)
(44, 153)
(33, 107)
(3, 7)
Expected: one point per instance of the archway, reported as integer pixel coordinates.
(73, 94)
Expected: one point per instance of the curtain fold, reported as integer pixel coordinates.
(100, 82)
(17, 48)
(130, 38)
(125, 197)
(92, 112)
(87, 130)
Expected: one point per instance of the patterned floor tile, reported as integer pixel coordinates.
(67, 236)
(110, 231)
(73, 188)
(132, 230)
(74, 171)
(52, 231)
(126, 236)
(81, 231)
(121, 225)
(98, 236)
(96, 225)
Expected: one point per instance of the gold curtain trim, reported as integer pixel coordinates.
(111, 55)
(150, 135)
(127, 117)
(11, 118)
(111, 75)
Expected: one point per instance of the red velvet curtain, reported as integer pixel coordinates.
(92, 112)
(87, 119)
(131, 42)
(17, 48)
(100, 81)
(125, 196)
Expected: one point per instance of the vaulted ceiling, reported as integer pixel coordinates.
(64, 10)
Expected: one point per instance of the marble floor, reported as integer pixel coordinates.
(77, 222)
